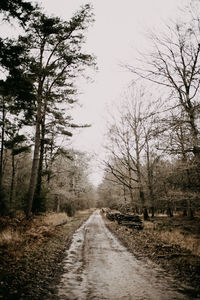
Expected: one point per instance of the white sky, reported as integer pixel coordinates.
(118, 31)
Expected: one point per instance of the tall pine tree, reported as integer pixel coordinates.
(57, 58)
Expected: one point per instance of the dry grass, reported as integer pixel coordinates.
(9, 236)
(85, 211)
(148, 225)
(176, 237)
(38, 228)
(190, 242)
(20, 230)
(53, 218)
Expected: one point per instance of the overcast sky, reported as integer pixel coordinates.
(118, 33)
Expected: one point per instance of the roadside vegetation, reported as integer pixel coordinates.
(173, 244)
(31, 253)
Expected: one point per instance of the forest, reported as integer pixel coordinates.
(39, 170)
(136, 234)
(153, 146)
(152, 150)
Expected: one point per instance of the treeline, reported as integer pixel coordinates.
(39, 70)
(153, 149)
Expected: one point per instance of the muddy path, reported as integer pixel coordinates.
(97, 266)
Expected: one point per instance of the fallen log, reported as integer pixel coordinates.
(128, 220)
(112, 216)
(134, 225)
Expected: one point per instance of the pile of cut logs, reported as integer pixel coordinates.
(128, 220)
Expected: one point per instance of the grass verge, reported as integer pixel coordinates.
(31, 263)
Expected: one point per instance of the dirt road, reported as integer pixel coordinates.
(97, 266)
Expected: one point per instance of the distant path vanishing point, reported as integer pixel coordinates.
(97, 266)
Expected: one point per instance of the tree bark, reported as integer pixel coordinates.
(169, 212)
(141, 192)
(35, 163)
(12, 180)
(150, 178)
(2, 141)
(39, 205)
(37, 202)
(124, 194)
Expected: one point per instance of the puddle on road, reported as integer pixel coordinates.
(97, 266)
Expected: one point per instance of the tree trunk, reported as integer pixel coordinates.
(144, 208)
(152, 211)
(124, 194)
(12, 180)
(150, 178)
(38, 204)
(50, 160)
(169, 212)
(194, 133)
(57, 204)
(131, 197)
(145, 214)
(141, 192)
(189, 209)
(40, 168)
(35, 163)
(2, 142)
(184, 213)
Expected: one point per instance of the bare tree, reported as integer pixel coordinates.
(121, 165)
(130, 141)
(174, 64)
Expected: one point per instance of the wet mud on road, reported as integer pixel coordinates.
(97, 266)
